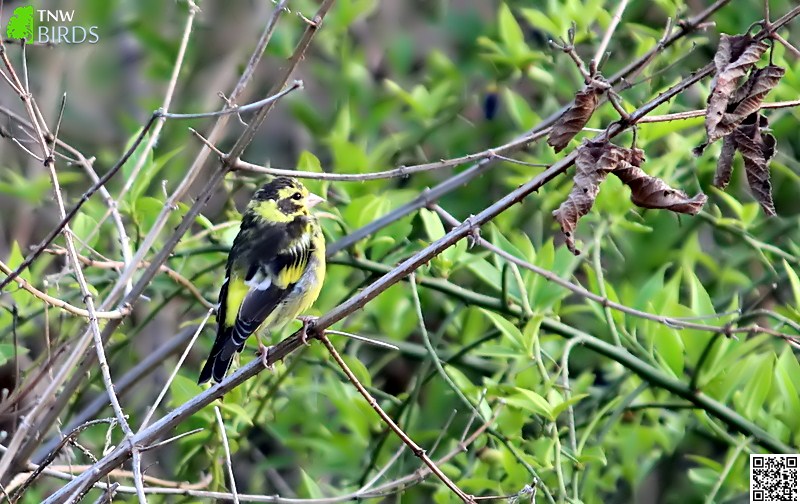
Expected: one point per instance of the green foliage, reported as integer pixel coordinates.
(593, 404)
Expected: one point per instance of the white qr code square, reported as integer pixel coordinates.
(773, 479)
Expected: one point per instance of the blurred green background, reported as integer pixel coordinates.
(400, 83)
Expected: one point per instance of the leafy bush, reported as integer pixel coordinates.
(536, 331)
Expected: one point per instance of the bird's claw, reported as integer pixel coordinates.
(306, 320)
(263, 351)
(473, 234)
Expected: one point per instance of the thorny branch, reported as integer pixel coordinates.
(414, 447)
(230, 161)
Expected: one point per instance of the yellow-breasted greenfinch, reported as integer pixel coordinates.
(274, 273)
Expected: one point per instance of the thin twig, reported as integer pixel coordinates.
(124, 384)
(399, 172)
(60, 303)
(173, 81)
(174, 275)
(294, 86)
(370, 341)
(227, 449)
(789, 47)
(691, 114)
(615, 19)
(175, 369)
(172, 439)
(414, 447)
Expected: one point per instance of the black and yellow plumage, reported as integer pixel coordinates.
(275, 270)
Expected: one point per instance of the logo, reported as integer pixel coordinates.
(20, 26)
(45, 26)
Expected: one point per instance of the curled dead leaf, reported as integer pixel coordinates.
(751, 94)
(594, 162)
(725, 162)
(575, 118)
(735, 56)
(652, 192)
(586, 185)
(757, 148)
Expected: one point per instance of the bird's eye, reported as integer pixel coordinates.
(297, 196)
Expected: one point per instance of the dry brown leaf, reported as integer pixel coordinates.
(757, 149)
(589, 172)
(725, 163)
(734, 57)
(749, 96)
(652, 192)
(594, 162)
(575, 118)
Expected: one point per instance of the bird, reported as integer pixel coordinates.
(274, 272)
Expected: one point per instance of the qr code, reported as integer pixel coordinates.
(773, 479)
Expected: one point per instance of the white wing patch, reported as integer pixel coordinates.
(260, 281)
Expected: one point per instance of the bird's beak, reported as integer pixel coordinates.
(313, 200)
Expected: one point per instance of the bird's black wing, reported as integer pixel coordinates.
(271, 271)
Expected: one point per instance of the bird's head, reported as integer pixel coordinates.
(283, 199)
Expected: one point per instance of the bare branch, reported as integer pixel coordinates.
(227, 448)
(59, 303)
(178, 365)
(615, 19)
(414, 447)
(298, 84)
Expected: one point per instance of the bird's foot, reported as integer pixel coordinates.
(263, 351)
(306, 320)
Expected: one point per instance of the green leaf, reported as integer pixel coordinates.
(540, 20)
(757, 388)
(705, 461)
(531, 401)
(669, 345)
(359, 369)
(340, 131)
(519, 110)
(508, 329)
(308, 487)
(562, 406)
(787, 381)
(653, 285)
(21, 298)
(136, 158)
(309, 162)
(794, 281)
(83, 226)
(485, 271)
(510, 32)
(594, 453)
(237, 411)
(32, 189)
(433, 225)
(703, 476)
(183, 389)
(149, 172)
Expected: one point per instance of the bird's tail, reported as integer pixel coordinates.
(219, 361)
